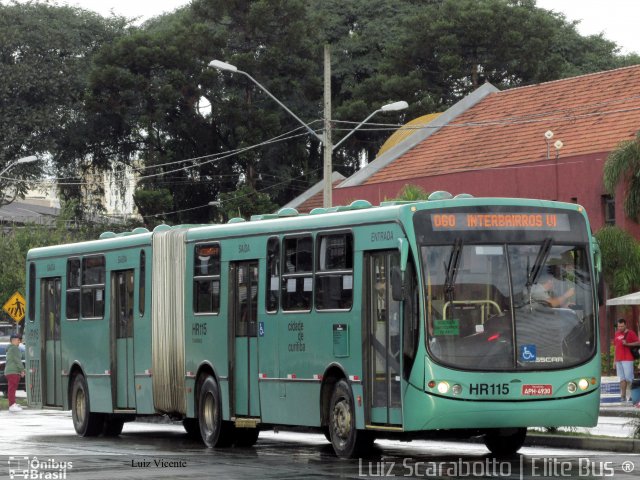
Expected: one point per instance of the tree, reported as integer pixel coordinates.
(153, 204)
(620, 260)
(245, 202)
(18, 240)
(623, 166)
(146, 90)
(45, 53)
(146, 87)
(456, 45)
(412, 193)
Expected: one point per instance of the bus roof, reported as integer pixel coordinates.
(288, 219)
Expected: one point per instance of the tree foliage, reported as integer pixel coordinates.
(152, 205)
(100, 94)
(17, 240)
(45, 54)
(245, 202)
(412, 193)
(623, 166)
(620, 260)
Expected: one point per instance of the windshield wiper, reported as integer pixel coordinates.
(543, 253)
(452, 270)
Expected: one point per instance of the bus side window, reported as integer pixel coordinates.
(273, 275)
(73, 289)
(32, 292)
(92, 290)
(142, 282)
(206, 279)
(297, 277)
(334, 272)
(411, 325)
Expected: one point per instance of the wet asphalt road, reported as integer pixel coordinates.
(43, 443)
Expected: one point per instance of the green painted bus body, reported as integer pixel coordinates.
(278, 375)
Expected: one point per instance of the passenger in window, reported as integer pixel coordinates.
(543, 292)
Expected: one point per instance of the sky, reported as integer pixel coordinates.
(617, 19)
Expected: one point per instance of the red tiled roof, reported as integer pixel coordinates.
(316, 201)
(589, 114)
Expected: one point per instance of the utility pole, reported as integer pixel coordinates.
(328, 145)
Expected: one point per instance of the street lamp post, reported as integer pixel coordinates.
(324, 140)
(29, 159)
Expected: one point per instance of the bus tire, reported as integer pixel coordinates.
(112, 426)
(215, 432)
(347, 441)
(504, 442)
(85, 422)
(246, 437)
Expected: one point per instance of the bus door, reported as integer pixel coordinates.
(244, 295)
(51, 295)
(383, 340)
(122, 288)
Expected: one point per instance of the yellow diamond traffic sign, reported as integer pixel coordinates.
(15, 307)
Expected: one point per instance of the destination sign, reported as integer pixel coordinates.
(558, 222)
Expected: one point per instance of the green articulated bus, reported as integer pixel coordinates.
(453, 317)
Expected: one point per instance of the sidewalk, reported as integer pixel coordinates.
(593, 439)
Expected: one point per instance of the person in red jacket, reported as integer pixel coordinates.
(623, 339)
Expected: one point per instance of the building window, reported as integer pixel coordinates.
(334, 272)
(206, 279)
(609, 209)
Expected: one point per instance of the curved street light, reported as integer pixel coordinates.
(324, 140)
(29, 159)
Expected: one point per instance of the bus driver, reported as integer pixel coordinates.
(542, 292)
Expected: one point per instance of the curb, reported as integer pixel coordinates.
(608, 444)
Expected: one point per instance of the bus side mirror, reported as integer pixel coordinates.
(397, 284)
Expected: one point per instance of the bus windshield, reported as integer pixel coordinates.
(503, 306)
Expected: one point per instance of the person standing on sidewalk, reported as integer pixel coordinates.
(623, 339)
(13, 370)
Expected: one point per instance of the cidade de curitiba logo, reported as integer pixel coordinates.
(34, 468)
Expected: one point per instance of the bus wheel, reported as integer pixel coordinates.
(86, 422)
(246, 437)
(347, 441)
(503, 442)
(112, 426)
(214, 431)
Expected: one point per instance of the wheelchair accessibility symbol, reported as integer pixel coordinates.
(528, 353)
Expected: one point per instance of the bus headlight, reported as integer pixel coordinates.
(583, 384)
(443, 387)
(456, 389)
(572, 387)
